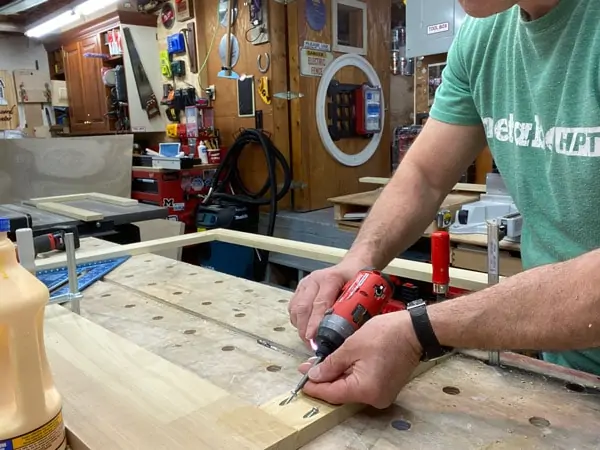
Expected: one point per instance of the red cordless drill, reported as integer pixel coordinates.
(360, 300)
(440, 263)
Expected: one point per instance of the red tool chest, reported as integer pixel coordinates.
(177, 190)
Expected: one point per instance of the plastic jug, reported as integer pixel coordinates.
(30, 405)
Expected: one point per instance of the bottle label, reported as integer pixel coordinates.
(50, 436)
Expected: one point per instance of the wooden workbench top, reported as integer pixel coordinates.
(217, 327)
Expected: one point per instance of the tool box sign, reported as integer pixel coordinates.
(313, 62)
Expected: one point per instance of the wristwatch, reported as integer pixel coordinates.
(424, 331)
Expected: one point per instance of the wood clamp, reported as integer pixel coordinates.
(265, 68)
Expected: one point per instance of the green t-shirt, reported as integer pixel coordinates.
(535, 85)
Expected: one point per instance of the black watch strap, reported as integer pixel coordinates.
(424, 331)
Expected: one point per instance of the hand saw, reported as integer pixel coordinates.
(147, 97)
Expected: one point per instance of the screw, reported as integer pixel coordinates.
(313, 412)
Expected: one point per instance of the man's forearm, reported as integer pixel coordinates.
(554, 307)
(399, 217)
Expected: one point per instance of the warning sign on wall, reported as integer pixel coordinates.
(312, 62)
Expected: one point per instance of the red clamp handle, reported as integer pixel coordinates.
(440, 257)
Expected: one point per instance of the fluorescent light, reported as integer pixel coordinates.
(20, 6)
(91, 6)
(53, 24)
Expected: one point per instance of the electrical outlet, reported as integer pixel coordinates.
(211, 91)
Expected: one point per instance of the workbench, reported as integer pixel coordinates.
(236, 335)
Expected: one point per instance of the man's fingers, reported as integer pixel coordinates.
(338, 392)
(333, 367)
(325, 297)
(301, 305)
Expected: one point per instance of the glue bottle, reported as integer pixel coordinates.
(30, 405)
(203, 152)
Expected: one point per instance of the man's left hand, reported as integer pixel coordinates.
(371, 367)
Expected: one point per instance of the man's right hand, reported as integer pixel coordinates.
(315, 294)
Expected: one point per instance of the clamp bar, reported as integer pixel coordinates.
(495, 233)
(72, 271)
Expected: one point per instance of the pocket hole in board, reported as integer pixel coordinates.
(451, 390)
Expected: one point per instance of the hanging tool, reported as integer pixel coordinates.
(226, 71)
(263, 90)
(165, 64)
(147, 97)
(190, 40)
(440, 263)
(359, 301)
(255, 7)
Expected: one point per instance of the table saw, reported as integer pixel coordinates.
(110, 215)
(169, 355)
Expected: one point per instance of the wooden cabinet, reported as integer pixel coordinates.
(87, 109)
(89, 98)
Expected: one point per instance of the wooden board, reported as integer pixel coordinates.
(463, 279)
(94, 196)
(458, 187)
(491, 407)
(70, 211)
(475, 258)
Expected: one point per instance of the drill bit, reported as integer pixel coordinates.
(301, 384)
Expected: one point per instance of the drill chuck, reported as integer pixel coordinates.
(331, 334)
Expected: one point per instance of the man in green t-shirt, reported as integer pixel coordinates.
(522, 76)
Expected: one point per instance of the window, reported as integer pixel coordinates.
(349, 18)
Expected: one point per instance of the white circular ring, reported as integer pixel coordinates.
(354, 60)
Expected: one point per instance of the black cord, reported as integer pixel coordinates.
(228, 174)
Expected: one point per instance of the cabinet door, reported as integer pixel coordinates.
(77, 114)
(93, 88)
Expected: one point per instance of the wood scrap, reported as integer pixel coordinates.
(70, 211)
(458, 187)
(93, 196)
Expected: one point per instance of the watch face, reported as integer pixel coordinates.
(415, 304)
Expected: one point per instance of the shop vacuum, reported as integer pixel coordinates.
(230, 204)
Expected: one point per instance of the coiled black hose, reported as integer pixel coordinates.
(228, 174)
